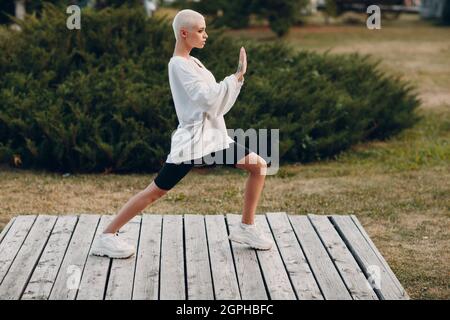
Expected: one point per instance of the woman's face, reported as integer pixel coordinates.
(197, 37)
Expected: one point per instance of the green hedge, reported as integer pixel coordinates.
(99, 98)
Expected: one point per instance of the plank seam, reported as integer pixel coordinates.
(356, 256)
(331, 258)
(64, 256)
(381, 259)
(266, 286)
(232, 256)
(18, 250)
(306, 258)
(85, 260)
(160, 257)
(281, 258)
(209, 259)
(186, 296)
(136, 257)
(7, 227)
(108, 275)
(37, 260)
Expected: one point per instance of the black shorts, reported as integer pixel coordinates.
(171, 173)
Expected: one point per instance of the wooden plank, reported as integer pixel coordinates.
(44, 275)
(96, 269)
(172, 259)
(12, 242)
(351, 273)
(20, 271)
(380, 257)
(198, 270)
(29, 243)
(120, 284)
(297, 267)
(367, 259)
(223, 272)
(274, 272)
(146, 278)
(6, 228)
(69, 276)
(250, 279)
(327, 277)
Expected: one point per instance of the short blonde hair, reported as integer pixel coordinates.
(185, 18)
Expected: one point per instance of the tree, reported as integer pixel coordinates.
(148, 5)
(19, 8)
(6, 7)
(281, 14)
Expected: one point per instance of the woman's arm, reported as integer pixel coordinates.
(242, 65)
(214, 98)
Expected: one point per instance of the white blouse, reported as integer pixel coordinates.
(200, 104)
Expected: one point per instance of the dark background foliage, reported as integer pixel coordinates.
(99, 99)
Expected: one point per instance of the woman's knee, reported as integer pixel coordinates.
(153, 192)
(253, 163)
(262, 166)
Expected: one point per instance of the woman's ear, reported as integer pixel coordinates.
(183, 33)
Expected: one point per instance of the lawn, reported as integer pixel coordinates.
(399, 188)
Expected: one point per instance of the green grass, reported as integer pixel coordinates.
(425, 145)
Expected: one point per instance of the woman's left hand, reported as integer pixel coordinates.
(242, 67)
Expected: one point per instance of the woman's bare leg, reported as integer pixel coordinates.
(253, 163)
(257, 167)
(135, 205)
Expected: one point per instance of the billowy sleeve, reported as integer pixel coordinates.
(213, 98)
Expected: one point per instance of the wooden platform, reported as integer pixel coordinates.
(190, 257)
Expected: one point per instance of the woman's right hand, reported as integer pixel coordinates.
(242, 66)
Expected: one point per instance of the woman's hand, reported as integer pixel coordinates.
(242, 67)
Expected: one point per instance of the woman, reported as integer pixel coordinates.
(200, 104)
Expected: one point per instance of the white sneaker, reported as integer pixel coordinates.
(110, 245)
(250, 235)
